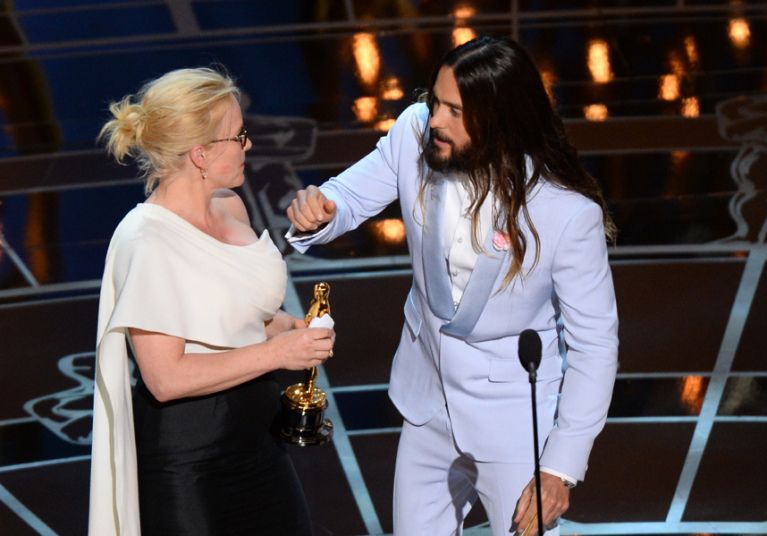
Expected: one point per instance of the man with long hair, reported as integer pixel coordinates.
(507, 232)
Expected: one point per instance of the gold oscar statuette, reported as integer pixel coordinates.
(304, 404)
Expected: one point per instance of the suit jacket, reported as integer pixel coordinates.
(466, 357)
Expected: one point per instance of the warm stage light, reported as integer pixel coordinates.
(679, 157)
(39, 259)
(391, 89)
(365, 108)
(691, 107)
(391, 231)
(385, 124)
(692, 393)
(463, 12)
(691, 49)
(595, 112)
(549, 79)
(599, 61)
(740, 32)
(462, 35)
(676, 63)
(367, 57)
(668, 87)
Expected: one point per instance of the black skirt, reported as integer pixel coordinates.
(212, 465)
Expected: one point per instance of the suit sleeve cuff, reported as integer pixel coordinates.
(296, 237)
(567, 478)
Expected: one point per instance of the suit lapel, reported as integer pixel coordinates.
(433, 252)
(478, 289)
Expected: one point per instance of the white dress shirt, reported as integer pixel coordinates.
(460, 253)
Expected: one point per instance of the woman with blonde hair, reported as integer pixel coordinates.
(196, 295)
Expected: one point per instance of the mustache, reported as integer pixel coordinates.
(434, 134)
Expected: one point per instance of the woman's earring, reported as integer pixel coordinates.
(204, 173)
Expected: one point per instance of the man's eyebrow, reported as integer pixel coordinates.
(447, 103)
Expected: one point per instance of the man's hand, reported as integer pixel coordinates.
(555, 500)
(310, 209)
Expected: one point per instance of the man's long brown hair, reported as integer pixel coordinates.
(508, 115)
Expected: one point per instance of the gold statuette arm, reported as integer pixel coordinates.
(320, 305)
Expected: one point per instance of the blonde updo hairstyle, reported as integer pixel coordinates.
(166, 118)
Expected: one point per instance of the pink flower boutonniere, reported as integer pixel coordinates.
(501, 241)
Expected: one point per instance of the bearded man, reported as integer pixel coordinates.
(507, 232)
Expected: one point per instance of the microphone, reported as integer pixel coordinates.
(529, 350)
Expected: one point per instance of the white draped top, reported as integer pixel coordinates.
(163, 274)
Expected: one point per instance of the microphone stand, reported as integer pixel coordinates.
(533, 376)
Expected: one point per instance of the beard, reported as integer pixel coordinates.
(460, 159)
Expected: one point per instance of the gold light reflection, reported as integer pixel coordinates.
(692, 393)
(384, 124)
(668, 87)
(365, 108)
(391, 89)
(461, 33)
(599, 61)
(390, 231)
(691, 49)
(739, 32)
(595, 112)
(691, 107)
(366, 57)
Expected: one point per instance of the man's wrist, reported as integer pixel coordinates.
(567, 480)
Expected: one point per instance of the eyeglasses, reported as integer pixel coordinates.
(241, 138)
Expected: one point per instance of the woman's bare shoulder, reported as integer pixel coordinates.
(231, 203)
